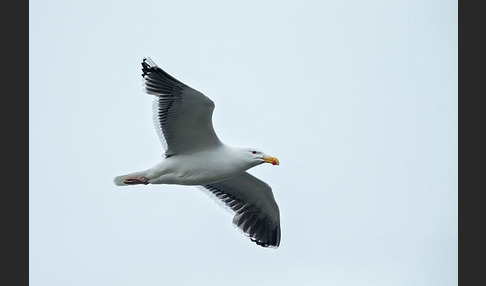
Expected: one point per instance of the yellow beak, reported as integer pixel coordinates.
(271, 160)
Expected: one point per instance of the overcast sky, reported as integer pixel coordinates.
(358, 100)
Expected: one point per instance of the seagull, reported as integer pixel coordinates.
(195, 156)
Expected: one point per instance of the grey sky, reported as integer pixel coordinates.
(358, 100)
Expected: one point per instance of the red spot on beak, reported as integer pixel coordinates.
(274, 163)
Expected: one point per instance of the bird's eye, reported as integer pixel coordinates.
(254, 152)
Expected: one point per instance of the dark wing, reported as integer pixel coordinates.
(182, 115)
(256, 212)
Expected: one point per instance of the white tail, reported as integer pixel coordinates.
(119, 180)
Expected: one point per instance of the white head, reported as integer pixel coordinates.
(256, 157)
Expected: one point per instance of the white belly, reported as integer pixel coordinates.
(194, 169)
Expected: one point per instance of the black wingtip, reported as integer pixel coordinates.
(151, 69)
(273, 240)
(147, 65)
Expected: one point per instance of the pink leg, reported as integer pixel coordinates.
(136, 181)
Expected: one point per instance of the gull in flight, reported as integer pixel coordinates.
(195, 156)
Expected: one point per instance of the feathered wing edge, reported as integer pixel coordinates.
(157, 124)
(157, 81)
(165, 87)
(258, 226)
(178, 107)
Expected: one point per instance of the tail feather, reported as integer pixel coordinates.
(119, 180)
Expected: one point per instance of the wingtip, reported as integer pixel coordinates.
(149, 62)
(272, 242)
(147, 65)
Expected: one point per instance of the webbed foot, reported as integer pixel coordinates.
(136, 181)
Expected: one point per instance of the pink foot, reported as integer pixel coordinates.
(136, 181)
